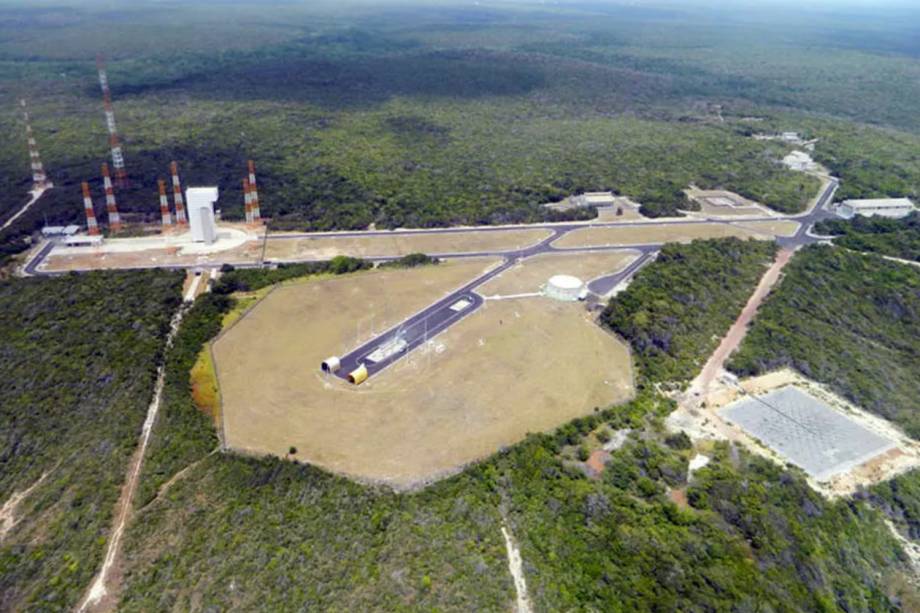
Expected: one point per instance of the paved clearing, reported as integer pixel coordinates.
(530, 274)
(650, 234)
(806, 431)
(510, 368)
(402, 244)
(773, 228)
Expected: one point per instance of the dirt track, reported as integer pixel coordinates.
(739, 329)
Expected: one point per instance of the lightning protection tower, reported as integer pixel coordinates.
(39, 178)
(177, 195)
(92, 227)
(110, 206)
(253, 193)
(165, 215)
(247, 199)
(118, 159)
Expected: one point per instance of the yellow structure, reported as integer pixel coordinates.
(358, 375)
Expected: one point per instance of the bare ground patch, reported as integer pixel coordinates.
(510, 368)
(649, 234)
(530, 274)
(403, 244)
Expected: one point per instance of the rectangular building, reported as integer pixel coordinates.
(200, 203)
(885, 207)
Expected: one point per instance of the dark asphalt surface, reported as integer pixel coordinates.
(436, 318)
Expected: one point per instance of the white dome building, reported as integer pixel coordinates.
(565, 287)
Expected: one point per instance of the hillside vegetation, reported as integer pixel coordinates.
(243, 533)
(78, 361)
(847, 320)
(897, 238)
(676, 309)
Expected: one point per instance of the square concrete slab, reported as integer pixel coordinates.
(807, 432)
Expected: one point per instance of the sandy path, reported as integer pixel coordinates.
(36, 194)
(738, 331)
(516, 567)
(100, 596)
(8, 511)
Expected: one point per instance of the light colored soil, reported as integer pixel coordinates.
(56, 262)
(639, 235)
(510, 368)
(610, 214)
(739, 329)
(102, 592)
(9, 509)
(531, 274)
(709, 210)
(705, 423)
(776, 228)
(403, 244)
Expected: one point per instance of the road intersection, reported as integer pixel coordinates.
(400, 340)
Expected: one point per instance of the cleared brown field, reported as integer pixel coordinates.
(403, 244)
(59, 262)
(510, 368)
(776, 228)
(530, 274)
(639, 235)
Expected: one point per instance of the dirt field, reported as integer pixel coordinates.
(639, 235)
(705, 423)
(776, 228)
(247, 254)
(476, 387)
(530, 274)
(377, 246)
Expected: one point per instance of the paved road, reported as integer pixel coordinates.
(444, 313)
(437, 317)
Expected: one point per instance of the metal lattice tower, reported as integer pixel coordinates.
(254, 193)
(39, 178)
(165, 215)
(247, 199)
(110, 206)
(177, 195)
(118, 159)
(91, 226)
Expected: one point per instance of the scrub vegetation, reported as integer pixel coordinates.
(78, 361)
(897, 238)
(458, 115)
(848, 320)
(435, 115)
(677, 309)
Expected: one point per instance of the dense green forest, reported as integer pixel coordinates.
(450, 114)
(897, 238)
(753, 534)
(78, 361)
(848, 320)
(676, 309)
(251, 279)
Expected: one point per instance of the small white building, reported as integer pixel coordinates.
(884, 207)
(594, 199)
(200, 204)
(83, 240)
(801, 161)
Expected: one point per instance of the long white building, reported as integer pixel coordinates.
(885, 207)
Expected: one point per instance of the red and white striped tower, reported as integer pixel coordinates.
(247, 199)
(91, 226)
(177, 195)
(110, 206)
(118, 159)
(164, 204)
(39, 178)
(254, 193)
